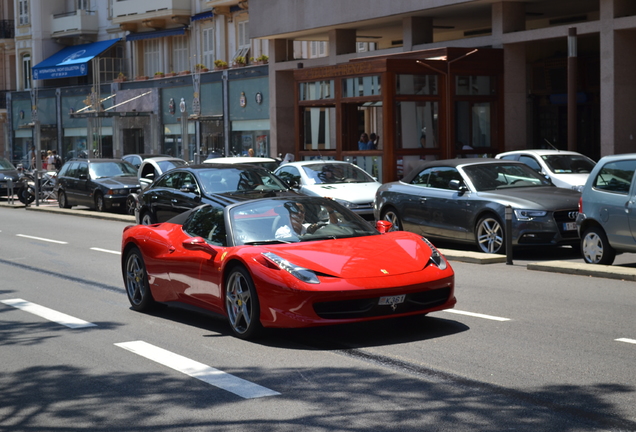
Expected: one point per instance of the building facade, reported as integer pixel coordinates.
(106, 78)
(528, 100)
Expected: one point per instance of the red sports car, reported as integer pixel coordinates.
(284, 262)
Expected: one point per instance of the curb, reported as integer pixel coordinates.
(473, 257)
(583, 269)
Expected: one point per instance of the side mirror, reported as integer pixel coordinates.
(383, 226)
(199, 244)
(188, 187)
(457, 185)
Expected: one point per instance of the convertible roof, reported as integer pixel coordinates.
(423, 164)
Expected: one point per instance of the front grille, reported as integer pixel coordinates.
(365, 308)
(563, 216)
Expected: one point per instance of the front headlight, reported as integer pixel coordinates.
(436, 257)
(298, 272)
(346, 204)
(528, 215)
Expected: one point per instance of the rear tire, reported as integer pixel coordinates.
(131, 204)
(62, 201)
(595, 247)
(147, 219)
(25, 196)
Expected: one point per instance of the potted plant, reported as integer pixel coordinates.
(171, 74)
(200, 68)
(261, 60)
(141, 78)
(220, 64)
(185, 72)
(120, 77)
(159, 74)
(240, 61)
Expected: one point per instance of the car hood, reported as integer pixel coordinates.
(375, 256)
(546, 198)
(352, 192)
(118, 182)
(568, 180)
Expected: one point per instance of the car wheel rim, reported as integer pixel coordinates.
(394, 219)
(62, 200)
(131, 206)
(490, 236)
(592, 248)
(238, 303)
(146, 220)
(99, 203)
(135, 279)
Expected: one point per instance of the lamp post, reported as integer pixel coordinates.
(572, 84)
(184, 129)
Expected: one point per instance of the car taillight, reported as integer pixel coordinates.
(581, 205)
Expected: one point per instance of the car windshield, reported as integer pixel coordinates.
(234, 179)
(112, 169)
(6, 165)
(167, 165)
(490, 176)
(569, 164)
(284, 220)
(322, 173)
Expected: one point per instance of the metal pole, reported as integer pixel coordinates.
(572, 85)
(508, 235)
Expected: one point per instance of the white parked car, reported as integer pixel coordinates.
(265, 162)
(566, 169)
(342, 181)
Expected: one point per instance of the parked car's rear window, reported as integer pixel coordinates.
(615, 176)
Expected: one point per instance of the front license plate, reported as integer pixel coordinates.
(569, 226)
(392, 300)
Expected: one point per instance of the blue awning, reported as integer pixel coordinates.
(71, 61)
(156, 34)
(202, 15)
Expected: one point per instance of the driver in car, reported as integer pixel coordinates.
(299, 225)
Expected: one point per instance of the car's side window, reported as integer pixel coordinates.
(289, 174)
(169, 180)
(615, 176)
(441, 177)
(82, 169)
(71, 171)
(422, 178)
(188, 179)
(531, 162)
(208, 222)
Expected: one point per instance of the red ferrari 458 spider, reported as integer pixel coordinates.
(284, 262)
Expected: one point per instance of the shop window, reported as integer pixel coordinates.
(361, 86)
(319, 128)
(416, 84)
(474, 85)
(417, 125)
(316, 90)
(473, 124)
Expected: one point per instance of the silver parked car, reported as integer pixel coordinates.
(607, 210)
(464, 200)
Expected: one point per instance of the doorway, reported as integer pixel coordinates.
(133, 141)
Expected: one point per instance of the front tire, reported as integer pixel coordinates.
(136, 280)
(147, 218)
(99, 202)
(392, 216)
(241, 304)
(489, 235)
(596, 248)
(26, 195)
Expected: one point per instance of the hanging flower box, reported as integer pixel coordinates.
(185, 72)
(141, 78)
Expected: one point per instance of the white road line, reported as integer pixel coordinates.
(41, 239)
(477, 315)
(632, 341)
(49, 314)
(106, 250)
(210, 375)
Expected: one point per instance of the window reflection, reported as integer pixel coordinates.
(417, 125)
(320, 128)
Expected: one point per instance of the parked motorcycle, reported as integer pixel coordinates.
(26, 186)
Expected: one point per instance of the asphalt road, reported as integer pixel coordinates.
(523, 350)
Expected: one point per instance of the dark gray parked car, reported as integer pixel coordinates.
(607, 210)
(7, 172)
(464, 200)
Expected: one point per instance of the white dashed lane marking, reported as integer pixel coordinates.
(106, 250)
(49, 314)
(41, 239)
(631, 341)
(476, 315)
(210, 375)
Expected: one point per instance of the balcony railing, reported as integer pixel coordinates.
(76, 22)
(7, 29)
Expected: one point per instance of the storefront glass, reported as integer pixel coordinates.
(317, 90)
(319, 128)
(361, 86)
(417, 125)
(416, 84)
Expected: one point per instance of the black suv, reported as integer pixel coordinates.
(102, 184)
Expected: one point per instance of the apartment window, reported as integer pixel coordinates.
(110, 9)
(26, 71)
(243, 39)
(180, 58)
(23, 8)
(83, 5)
(317, 49)
(152, 56)
(208, 48)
